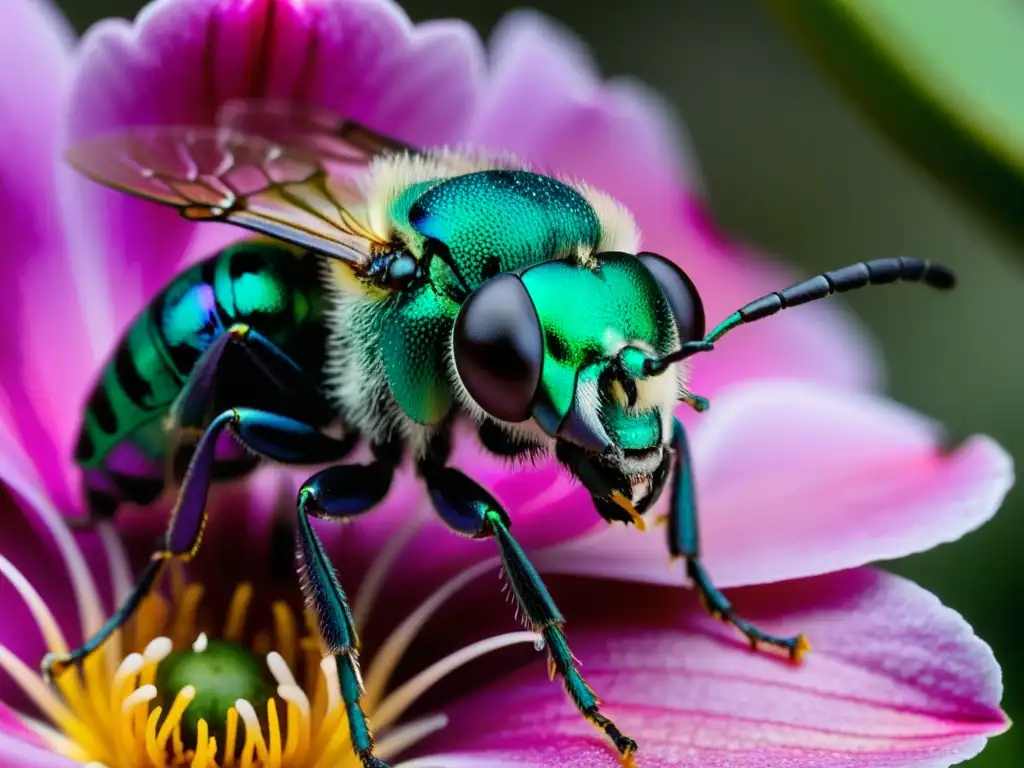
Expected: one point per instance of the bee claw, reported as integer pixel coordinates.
(54, 665)
(800, 648)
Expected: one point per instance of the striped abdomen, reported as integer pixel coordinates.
(274, 289)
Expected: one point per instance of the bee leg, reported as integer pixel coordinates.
(278, 437)
(471, 511)
(217, 366)
(684, 541)
(217, 369)
(54, 665)
(336, 493)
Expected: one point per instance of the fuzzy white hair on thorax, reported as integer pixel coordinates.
(619, 230)
(355, 375)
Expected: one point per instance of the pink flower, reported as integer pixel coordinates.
(805, 473)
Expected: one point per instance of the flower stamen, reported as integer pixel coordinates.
(185, 624)
(155, 756)
(87, 597)
(183, 695)
(231, 739)
(117, 561)
(285, 632)
(53, 736)
(150, 619)
(379, 569)
(403, 737)
(205, 745)
(173, 719)
(42, 616)
(254, 743)
(41, 696)
(297, 745)
(158, 649)
(274, 733)
(401, 699)
(398, 642)
(237, 611)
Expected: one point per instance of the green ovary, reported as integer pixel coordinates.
(222, 673)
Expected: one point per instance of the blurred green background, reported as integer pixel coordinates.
(791, 165)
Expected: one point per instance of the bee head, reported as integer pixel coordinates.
(564, 345)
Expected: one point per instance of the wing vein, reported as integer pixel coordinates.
(283, 170)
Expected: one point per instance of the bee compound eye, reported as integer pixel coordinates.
(498, 348)
(680, 293)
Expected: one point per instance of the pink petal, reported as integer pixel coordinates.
(23, 748)
(26, 542)
(547, 103)
(12, 727)
(795, 479)
(34, 57)
(895, 680)
(44, 340)
(181, 60)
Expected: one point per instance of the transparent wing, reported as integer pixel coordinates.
(336, 139)
(225, 175)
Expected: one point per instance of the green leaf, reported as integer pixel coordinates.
(944, 78)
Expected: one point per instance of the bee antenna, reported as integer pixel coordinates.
(875, 272)
(654, 366)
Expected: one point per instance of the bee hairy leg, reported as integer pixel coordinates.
(337, 493)
(276, 437)
(471, 511)
(684, 541)
(54, 665)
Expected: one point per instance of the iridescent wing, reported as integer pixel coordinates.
(290, 192)
(326, 134)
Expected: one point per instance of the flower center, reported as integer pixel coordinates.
(171, 691)
(215, 701)
(221, 673)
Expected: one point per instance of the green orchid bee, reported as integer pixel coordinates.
(386, 295)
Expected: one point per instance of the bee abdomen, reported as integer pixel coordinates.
(270, 287)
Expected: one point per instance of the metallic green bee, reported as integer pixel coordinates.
(390, 294)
